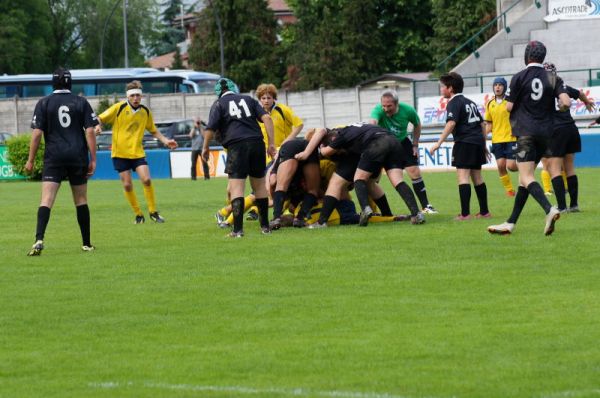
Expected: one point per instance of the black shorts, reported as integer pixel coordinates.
(468, 156)
(532, 148)
(345, 166)
(77, 175)
(246, 158)
(291, 149)
(122, 164)
(565, 140)
(383, 151)
(504, 150)
(411, 160)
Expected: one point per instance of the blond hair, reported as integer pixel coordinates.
(266, 89)
(134, 84)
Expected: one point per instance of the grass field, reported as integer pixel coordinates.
(393, 310)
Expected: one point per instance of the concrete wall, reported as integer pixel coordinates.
(317, 108)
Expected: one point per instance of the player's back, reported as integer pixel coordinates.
(63, 117)
(235, 117)
(533, 97)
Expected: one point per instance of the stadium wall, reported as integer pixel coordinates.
(317, 108)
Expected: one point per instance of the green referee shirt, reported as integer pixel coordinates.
(397, 123)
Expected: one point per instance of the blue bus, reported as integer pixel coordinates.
(94, 82)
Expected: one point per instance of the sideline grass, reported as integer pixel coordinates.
(392, 310)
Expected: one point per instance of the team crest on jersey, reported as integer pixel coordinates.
(450, 114)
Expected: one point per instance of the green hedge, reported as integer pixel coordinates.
(18, 152)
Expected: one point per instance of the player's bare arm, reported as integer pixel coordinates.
(448, 128)
(90, 138)
(170, 143)
(36, 138)
(208, 136)
(313, 143)
(266, 119)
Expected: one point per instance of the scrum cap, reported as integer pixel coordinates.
(223, 85)
(61, 79)
(501, 81)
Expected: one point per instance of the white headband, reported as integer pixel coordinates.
(134, 91)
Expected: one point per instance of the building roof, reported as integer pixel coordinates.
(400, 77)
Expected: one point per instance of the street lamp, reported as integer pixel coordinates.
(112, 11)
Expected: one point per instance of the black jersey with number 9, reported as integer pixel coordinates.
(63, 117)
(533, 97)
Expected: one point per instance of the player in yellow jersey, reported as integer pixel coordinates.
(130, 119)
(497, 122)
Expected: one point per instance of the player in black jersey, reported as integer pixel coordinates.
(470, 150)
(371, 148)
(564, 144)
(286, 169)
(67, 123)
(233, 118)
(531, 103)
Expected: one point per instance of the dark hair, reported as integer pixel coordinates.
(329, 136)
(61, 79)
(535, 52)
(454, 80)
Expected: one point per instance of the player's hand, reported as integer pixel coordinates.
(434, 148)
(91, 168)
(415, 150)
(28, 167)
(97, 129)
(272, 151)
(172, 144)
(205, 154)
(301, 156)
(590, 106)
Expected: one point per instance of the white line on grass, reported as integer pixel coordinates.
(573, 394)
(295, 392)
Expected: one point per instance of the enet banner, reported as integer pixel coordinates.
(572, 9)
(6, 168)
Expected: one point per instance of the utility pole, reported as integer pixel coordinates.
(125, 4)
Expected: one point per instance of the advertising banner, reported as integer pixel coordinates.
(181, 164)
(432, 110)
(6, 168)
(572, 9)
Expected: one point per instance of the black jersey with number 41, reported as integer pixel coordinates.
(533, 97)
(468, 120)
(234, 118)
(63, 117)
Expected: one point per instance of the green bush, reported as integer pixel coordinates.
(18, 152)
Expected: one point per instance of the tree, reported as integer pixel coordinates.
(36, 36)
(24, 32)
(343, 42)
(169, 35)
(455, 22)
(249, 31)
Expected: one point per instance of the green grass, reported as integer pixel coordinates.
(392, 310)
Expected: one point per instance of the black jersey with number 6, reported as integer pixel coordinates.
(468, 120)
(234, 117)
(63, 117)
(533, 97)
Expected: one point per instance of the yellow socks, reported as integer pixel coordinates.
(149, 195)
(133, 202)
(564, 176)
(546, 181)
(248, 202)
(507, 184)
